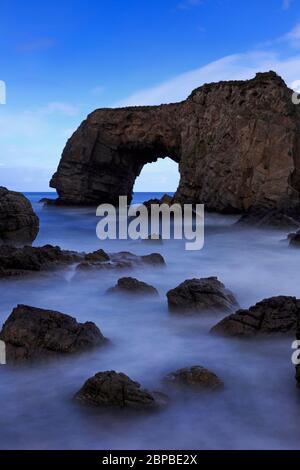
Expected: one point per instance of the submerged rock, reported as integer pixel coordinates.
(113, 389)
(27, 260)
(268, 219)
(274, 315)
(121, 260)
(201, 295)
(132, 286)
(196, 377)
(32, 334)
(18, 222)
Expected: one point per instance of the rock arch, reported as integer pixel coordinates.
(237, 145)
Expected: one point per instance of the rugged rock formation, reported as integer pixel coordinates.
(274, 315)
(200, 296)
(27, 260)
(33, 333)
(196, 377)
(112, 389)
(237, 144)
(18, 222)
(121, 260)
(132, 286)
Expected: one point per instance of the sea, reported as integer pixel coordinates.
(259, 407)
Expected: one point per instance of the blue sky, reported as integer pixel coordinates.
(62, 59)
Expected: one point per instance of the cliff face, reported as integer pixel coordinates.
(237, 145)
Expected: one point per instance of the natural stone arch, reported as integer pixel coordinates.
(237, 144)
(107, 153)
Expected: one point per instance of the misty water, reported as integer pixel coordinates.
(260, 405)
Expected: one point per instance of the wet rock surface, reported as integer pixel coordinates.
(113, 389)
(275, 315)
(34, 334)
(29, 260)
(200, 296)
(196, 377)
(18, 222)
(132, 286)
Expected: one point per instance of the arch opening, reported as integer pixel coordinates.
(160, 176)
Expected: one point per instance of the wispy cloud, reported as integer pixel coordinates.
(293, 37)
(286, 4)
(233, 67)
(188, 4)
(37, 44)
(58, 107)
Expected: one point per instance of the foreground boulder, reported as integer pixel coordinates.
(18, 222)
(196, 377)
(237, 142)
(201, 295)
(112, 389)
(32, 334)
(28, 260)
(132, 286)
(274, 315)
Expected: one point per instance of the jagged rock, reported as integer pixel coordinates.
(97, 256)
(27, 260)
(273, 219)
(165, 199)
(196, 377)
(132, 286)
(18, 222)
(237, 144)
(32, 334)
(274, 315)
(112, 389)
(201, 295)
(121, 260)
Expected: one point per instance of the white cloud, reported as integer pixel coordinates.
(233, 67)
(293, 37)
(58, 107)
(286, 4)
(188, 4)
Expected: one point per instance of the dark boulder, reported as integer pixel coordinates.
(196, 377)
(201, 295)
(132, 286)
(268, 219)
(274, 315)
(112, 389)
(33, 334)
(18, 222)
(27, 260)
